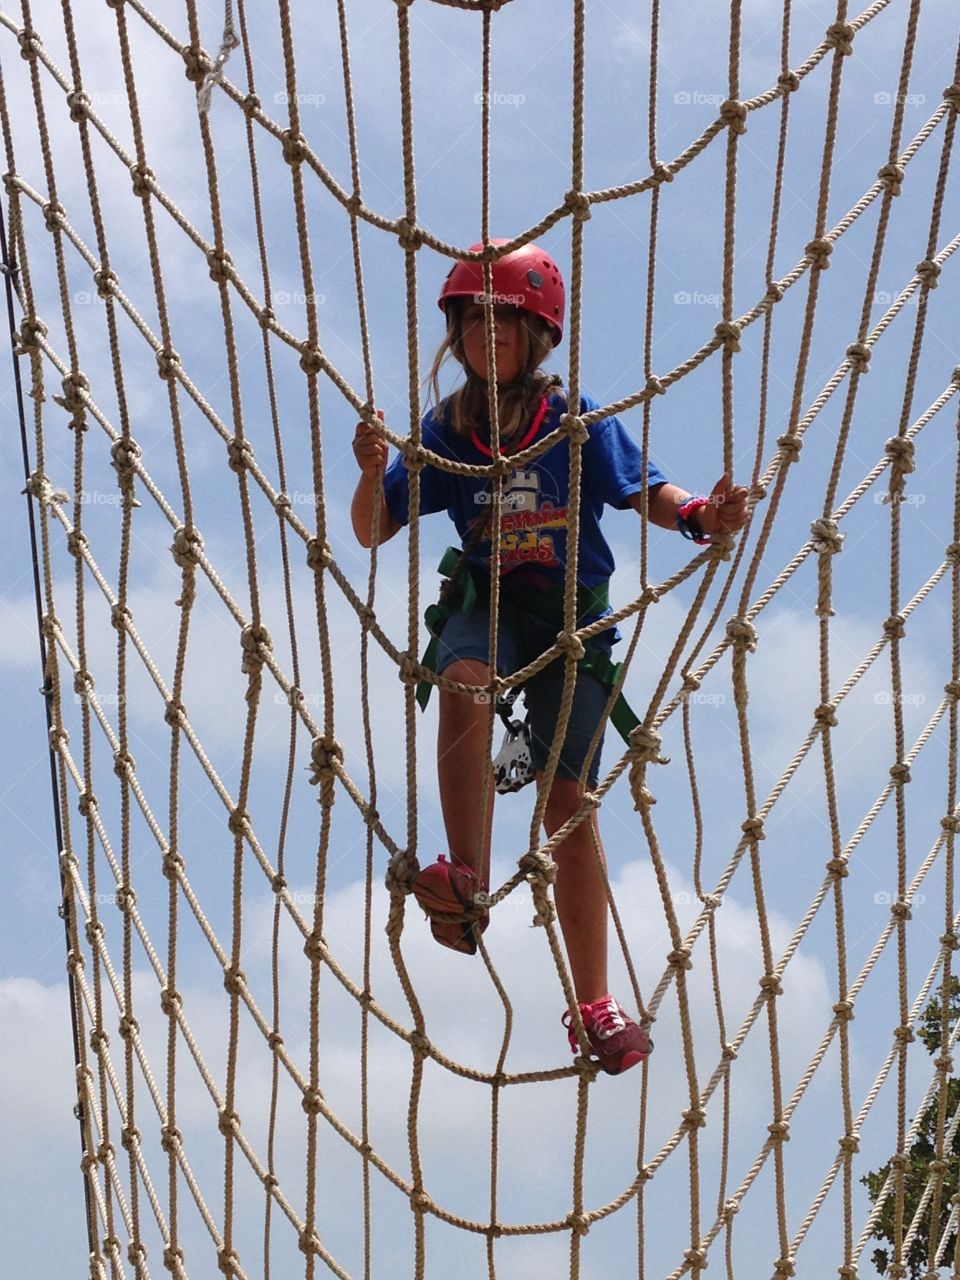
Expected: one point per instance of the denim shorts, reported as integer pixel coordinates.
(518, 644)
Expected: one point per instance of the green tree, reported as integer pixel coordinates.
(921, 1155)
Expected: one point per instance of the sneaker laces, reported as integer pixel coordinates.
(607, 1018)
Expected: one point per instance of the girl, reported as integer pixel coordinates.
(528, 302)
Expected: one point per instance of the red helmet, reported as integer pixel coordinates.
(527, 278)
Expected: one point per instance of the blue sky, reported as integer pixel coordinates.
(530, 173)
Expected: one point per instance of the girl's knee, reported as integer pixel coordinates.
(563, 802)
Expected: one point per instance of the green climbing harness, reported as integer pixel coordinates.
(461, 595)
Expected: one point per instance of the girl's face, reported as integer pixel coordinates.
(510, 345)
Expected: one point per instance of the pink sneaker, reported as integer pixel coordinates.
(451, 887)
(614, 1038)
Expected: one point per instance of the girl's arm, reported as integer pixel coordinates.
(370, 452)
(726, 507)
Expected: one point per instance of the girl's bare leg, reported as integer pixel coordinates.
(461, 757)
(579, 892)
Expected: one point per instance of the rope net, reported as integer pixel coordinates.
(274, 1072)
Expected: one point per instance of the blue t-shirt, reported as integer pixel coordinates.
(533, 522)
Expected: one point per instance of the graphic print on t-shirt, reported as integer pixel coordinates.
(530, 512)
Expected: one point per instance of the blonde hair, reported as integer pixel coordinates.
(466, 408)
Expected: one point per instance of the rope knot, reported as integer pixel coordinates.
(840, 37)
(655, 386)
(539, 869)
(409, 235)
(168, 364)
(141, 177)
(779, 1131)
(187, 547)
(645, 744)
(31, 330)
(697, 1259)
(255, 642)
(173, 1257)
(695, 1118)
(409, 669)
(788, 82)
(951, 941)
(578, 203)
(228, 1122)
(849, 1144)
(311, 359)
(312, 1101)
(734, 114)
(228, 1261)
(579, 1223)
(951, 96)
(570, 644)
(742, 635)
(951, 553)
(929, 272)
(239, 454)
(250, 105)
(75, 962)
(728, 331)
(858, 353)
(401, 872)
(124, 765)
(275, 1040)
(827, 538)
(174, 713)
(123, 458)
(294, 147)
(892, 175)
(894, 627)
(79, 104)
(771, 986)
(87, 804)
(196, 65)
(826, 714)
(900, 910)
(752, 828)
(577, 432)
(662, 172)
(238, 822)
(219, 265)
(75, 388)
(170, 1001)
(106, 281)
(326, 754)
(29, 43)
(319, 555)
(128, 1027)
(234, 980)
(819, 251)
(844, 1010)
(837, 868)
(76, 541)
(951, 822)
(680, 959)
(775, 292)
(900, 773)
(413, 456)
(784, 1267)
(901, 450)
(789, 446)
